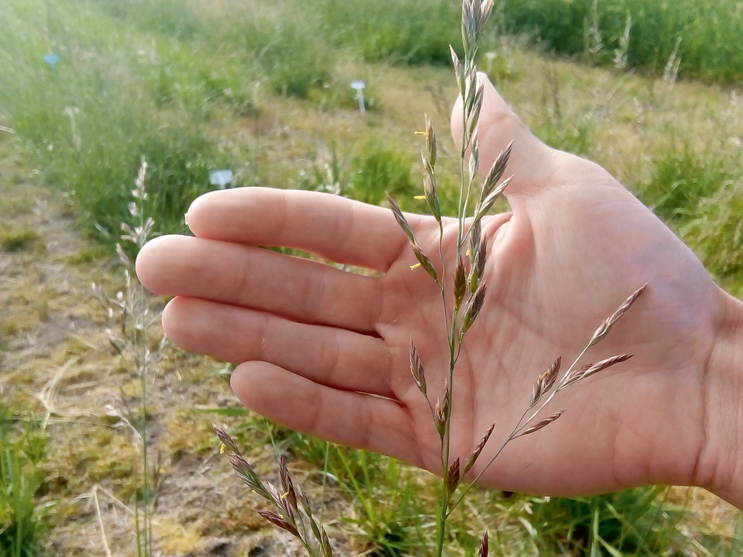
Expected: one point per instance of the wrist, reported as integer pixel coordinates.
(720, 467)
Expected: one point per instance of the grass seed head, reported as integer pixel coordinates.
(496, 172)
(544, 423)
(287, 485)
(227, 441)
(248, 475)
(483, 550)
(473, 308)
(431, 146)
(460, 285)
(478, 449)
(280, 522)
(416, 368)
(401, 220)
(429, 188)
(425, 262)
(606, 326)
(544, 382)
(591, 369)
(453, 477)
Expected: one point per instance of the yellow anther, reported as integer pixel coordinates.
(419, 197)
(424, 134)
(413, 267)
(221, 449)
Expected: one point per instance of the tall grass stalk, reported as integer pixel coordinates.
(471, 284)
(22, 449)
(464, 304)
(128, 333)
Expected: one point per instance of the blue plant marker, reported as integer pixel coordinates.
(359, 87)
(220, 178)
(51, 59)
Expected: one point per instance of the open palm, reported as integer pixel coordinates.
(325, 351)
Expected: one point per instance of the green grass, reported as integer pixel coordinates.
(701, 197)
(402, 32)
(22, 452)
(13, 239)
(710, 32)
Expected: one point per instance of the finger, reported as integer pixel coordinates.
(532, 163)
(343, 417)
(332, 227)
(261, 279)
(325, 355)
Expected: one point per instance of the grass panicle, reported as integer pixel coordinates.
(475, 14)
(129, 322)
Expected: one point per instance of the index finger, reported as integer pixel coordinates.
(333, 227)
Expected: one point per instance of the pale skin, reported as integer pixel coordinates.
(325, 351)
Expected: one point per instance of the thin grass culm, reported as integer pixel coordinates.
(129, 321)
(469, 288)
(462, 303)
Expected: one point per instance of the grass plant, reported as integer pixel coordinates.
(707, 30)
(461, 306)
(129, 323)
(395, 31)
(22, 452)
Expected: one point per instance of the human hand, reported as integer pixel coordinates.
(326, 351)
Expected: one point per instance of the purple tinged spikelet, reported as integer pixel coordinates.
(460, 285)
(478, 449)
(483, 551)
(545, 382)
(606, 326)
(473, 308)
(425, 262)
(248, 475)
(453, 477)
(225, 438)
(287, 485)
(545, 422)
(496, 172)
(416, 369)
(280, 522)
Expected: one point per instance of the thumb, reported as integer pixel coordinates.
(532, 163)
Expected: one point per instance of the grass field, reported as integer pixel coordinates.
(264, 90)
